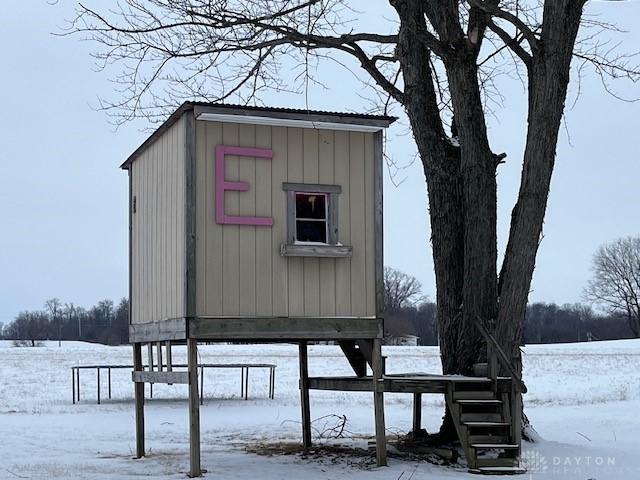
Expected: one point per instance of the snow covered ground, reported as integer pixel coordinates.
(583, 399)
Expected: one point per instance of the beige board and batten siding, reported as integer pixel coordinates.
(240, 271)
(158, 228)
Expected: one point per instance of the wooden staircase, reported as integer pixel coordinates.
(481, 411)
(487, 410)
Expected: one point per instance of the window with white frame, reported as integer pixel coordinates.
(312, 221)
(312, 217)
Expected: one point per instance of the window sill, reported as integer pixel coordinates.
(315, 250)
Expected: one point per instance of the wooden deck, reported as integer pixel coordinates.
(404, 383)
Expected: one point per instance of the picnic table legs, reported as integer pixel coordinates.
(272, 383)
(246, 384)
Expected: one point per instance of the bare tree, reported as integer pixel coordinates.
(616, 280)
(54, 307)
(400, 290)
(438, 62)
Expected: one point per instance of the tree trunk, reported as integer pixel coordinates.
(478, 169)
(548, 81)
(441, 163)
(461, 182)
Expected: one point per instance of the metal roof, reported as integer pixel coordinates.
(288, 116)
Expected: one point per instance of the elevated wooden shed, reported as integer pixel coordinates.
(257, 224)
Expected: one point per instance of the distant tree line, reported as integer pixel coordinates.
(544, 323)
(103, 323)
(407, 312)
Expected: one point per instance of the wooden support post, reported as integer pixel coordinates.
(98, 384)
(109, 381)
(516, 404)
(378, 403)
(159, 349)
(417, 413)
(194, 409)
(202, 385)
(139, 400)
(78, 384)
(304, 395)
(150, 355)
(169, 361)
(73, 385)
(516, 417)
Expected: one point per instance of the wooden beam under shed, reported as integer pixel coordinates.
(304, 395)
(378, 403)
(284, 328)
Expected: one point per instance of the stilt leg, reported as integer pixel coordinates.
(202, 385)
(169, 360)
(159, 349)
(417, 412)
(304, 396)
(378, 403)
(150, 355)
(139, 400)
(194, 409)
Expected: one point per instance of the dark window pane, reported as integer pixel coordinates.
(310, 231)
(311, 205)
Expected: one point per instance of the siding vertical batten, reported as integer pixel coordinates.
(190, 215)
(343, 266)
(263, 239)
(311, 265)
(280, 268)
(295, 173)
(358, 260)
(230, 233)
(130, 180)
(247, 233)
(378, 162)
(370, 223)
(326, 169)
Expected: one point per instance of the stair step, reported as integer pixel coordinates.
(488, 439)
(486, 424)
(480, 417)
(478, 401)
(498, 470)
(504, 446)
(497, 462)
(474, 395)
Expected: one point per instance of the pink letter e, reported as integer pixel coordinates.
(222, 185)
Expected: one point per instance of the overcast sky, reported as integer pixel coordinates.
(63, 211)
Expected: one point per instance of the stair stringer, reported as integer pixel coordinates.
(461, 430)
